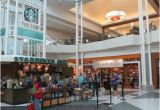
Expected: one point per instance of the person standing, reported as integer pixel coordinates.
(114, 83)
(107, 85)
(81, 80)
(37, 94)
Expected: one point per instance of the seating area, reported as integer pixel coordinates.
(52, 97)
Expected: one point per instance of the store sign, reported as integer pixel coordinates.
(38, 60)
(31, 14)
(108, 63)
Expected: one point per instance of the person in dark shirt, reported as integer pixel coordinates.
(107, 85)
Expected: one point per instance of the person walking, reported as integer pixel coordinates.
(37, 94)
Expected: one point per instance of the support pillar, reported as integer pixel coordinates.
(81, 14)
(77, 38)
(15, 31)
(7, 24)
(141, 31)
(44, 28)
(145, 85)
(149, 61)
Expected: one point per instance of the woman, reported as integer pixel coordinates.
(37, 94)
(107, 85)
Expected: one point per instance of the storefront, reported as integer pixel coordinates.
(17, 72)
(129, 69)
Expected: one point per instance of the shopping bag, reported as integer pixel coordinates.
(30, 106)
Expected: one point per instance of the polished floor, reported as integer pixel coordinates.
(134, 100)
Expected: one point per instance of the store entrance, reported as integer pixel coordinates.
(130, 73)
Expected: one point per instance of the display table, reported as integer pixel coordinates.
(15, 96)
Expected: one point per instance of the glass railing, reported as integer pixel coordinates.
(112, 33)
(60, 41)
(109, 34)
(154, 25)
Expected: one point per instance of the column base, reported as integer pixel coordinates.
(146, 87)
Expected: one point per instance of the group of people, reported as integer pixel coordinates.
(90, 80)
(109, 81)
(38, 85)
(112, 81)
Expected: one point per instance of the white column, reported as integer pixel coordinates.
(81, 13)
(139, 73)
(6, 33)
(148, 44)
(142, 38)
(81, 7)
(77, 38)
(44, 28)
(15, 30)
(28, 48)
(31, 48)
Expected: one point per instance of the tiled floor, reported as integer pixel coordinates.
(135, 100)
(141, 99)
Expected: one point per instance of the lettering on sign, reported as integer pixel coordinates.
(108, 63)
(39, 60)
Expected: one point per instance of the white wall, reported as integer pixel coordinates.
(52, 33)
(59, 12)
(155, 36)
(125, 45)
(61, 49)
(111, 43)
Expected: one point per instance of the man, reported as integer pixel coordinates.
(114, 83)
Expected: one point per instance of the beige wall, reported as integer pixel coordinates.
(58, 34)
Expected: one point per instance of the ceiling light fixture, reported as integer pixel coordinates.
(115, 15)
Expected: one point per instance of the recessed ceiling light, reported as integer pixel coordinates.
(132, 24)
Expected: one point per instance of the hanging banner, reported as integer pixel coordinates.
(108, 63)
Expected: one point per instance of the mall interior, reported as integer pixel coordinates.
(79, 54)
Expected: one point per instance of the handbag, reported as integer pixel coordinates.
(30, 106)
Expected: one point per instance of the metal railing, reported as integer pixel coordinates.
(109, 34)
(60, 41)
(154, 25)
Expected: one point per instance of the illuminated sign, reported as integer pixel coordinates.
(31, 14)
(38, 60)
(108, 63)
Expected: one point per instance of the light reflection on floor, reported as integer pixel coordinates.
(140, 99)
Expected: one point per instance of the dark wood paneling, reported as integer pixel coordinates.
(155, 58)
(9, 69)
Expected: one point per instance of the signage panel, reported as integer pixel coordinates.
(38, 60)
(108, 63)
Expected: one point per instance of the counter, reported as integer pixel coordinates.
(15, 96)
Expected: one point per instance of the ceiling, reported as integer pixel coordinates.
(96, 9)
(65, 4)
(66, 27)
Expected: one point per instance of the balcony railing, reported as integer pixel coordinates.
(109, 34)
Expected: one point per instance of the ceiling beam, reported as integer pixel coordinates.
(155, 5)
(128, 21)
